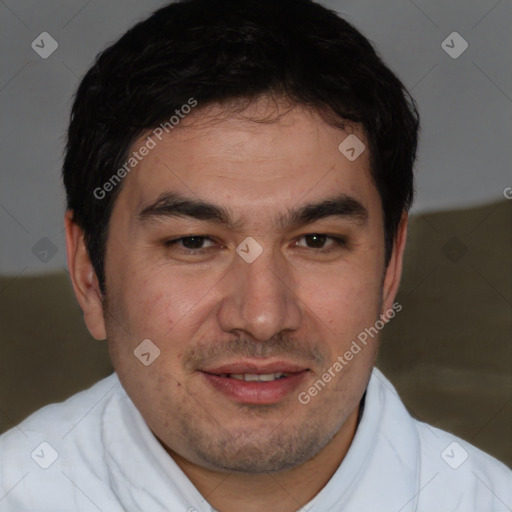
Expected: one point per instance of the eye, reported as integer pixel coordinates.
(195, 244)
(318, 240)
(192, 244)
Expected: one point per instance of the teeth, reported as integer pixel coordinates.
(253, 377)
(269, 376)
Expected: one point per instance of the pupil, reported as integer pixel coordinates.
(192, 242)
(318, 238)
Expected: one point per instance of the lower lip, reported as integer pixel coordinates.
(250, 392)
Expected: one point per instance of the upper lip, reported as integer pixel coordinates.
(255, 368)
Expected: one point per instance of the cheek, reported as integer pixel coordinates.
(160, 302)
(346, 298)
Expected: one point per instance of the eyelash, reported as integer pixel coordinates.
(339, 242)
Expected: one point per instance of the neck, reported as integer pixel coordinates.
(280, 492)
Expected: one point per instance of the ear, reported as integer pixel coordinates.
(394, 269)
(83, 277)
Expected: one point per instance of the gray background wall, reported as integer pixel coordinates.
(465, 153)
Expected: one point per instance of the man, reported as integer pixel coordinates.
(238, 176)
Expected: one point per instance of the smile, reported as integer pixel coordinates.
(267, 387)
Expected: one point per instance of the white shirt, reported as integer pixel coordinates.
(99, 454)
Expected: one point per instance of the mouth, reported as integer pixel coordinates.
(255, 377)
(251, 383)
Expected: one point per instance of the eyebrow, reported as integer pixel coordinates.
(173, 205)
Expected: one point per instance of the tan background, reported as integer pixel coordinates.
(448, 352)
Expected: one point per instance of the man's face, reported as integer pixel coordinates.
(214, 312)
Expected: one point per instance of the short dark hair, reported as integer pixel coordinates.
(219, 51)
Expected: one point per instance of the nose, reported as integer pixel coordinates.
(260, 298)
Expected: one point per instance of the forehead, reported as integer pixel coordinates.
(263, 159)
